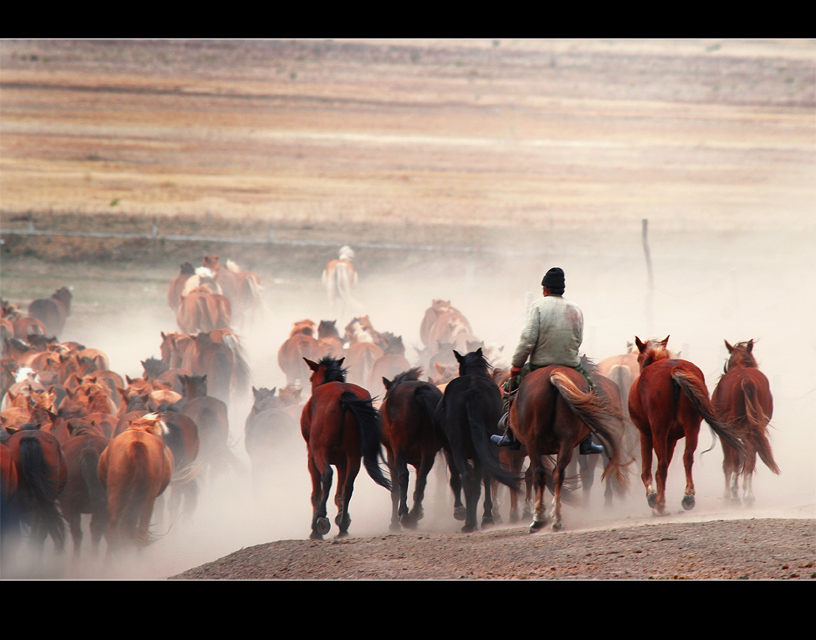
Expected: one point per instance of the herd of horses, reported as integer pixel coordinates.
(79, 439)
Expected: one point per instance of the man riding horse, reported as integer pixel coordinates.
(552, 334)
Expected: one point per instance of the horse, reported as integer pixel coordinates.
(242, 289)
(181, 436)
(389, 365)
(743, 398)
(53, 311)
(201, 310)
(329, 341)
(267, 429)
(340, 427)
(668, 401)
(622, 370)
(298, 347)
(41, 477)
(134, 469)
(554, 410)
(340, 277)
(466, 417)
(9, 513)
(186, 271)
(409, 438)
(83, 493)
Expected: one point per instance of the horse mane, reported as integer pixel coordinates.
(740, 355)
(473, 363)
(333, 370)
(589, 365)
(407, 376)
(652, 351)
(153, 367)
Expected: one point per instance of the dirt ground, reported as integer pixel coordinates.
(459, 170)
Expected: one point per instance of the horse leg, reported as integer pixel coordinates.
(487, 515)
(403, 476)
(395, 492)
(539, 473)
(459, 511)
(688, 462)
(527, 512)
(646, 448)
(664, 450)
(416, 513)
(345, 478)
(321, 486)
(559, 473)
(74, 520)
(472, 484)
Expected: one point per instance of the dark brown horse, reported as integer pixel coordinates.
(466, 418)
(340, 426)
(41, 475)
(668, 401)
(742, 398)
(553, 412)
(53, 311)
(409, 438)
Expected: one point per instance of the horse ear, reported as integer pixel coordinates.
(312, 365)
(728, 346)
(665, 340)
(386, 382)
(341, 360)
(458, 356)
(479, 352)
(640, 345)
(750, 345)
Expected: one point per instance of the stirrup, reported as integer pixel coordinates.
(588, 447)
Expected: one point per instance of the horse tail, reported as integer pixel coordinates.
(89, 470)
(596, 414)
(758, 425)
(133, 496)
(479, 433)
(694, 389)
(368, 420)
(427, 398)
(39, 476)
(205, 320)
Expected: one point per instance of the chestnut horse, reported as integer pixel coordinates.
(466, 417)
(668, 401)
(340, 426)
(553, 412)
(742, 398)
(301, 345)
(409, 438)
(134, 469)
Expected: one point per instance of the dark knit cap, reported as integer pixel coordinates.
(554, 280)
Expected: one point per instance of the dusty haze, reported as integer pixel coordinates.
(726, 185)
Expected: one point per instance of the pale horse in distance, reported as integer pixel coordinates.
(339, 278)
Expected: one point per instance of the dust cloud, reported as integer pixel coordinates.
(704, 293)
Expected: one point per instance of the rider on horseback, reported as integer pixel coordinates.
(552, 334)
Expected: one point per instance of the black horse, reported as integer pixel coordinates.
(466, 418)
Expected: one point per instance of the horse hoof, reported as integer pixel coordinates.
(488, 522)
(343, 534)
(408, 521)
(557, 526)
(322, 526)
(469, 528)
(688, 503)
(315, 536)
(395, 526)
(460, 513)
(652, 500)
(537, 525)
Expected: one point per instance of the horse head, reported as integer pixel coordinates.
(651, 351)
(473, 363)
(327, 370)
(740, 355)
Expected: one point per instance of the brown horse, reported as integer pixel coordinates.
(53, 311)
(742, 398)
(389, 365)
(340, 426)
(83, 492)
(242, 288)
(553, 412)
(134, 469)
(409, 438)
(668, 401)
(218, 355)
(9, 512)
(201, 310)
(301, 345)
(41, 477)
